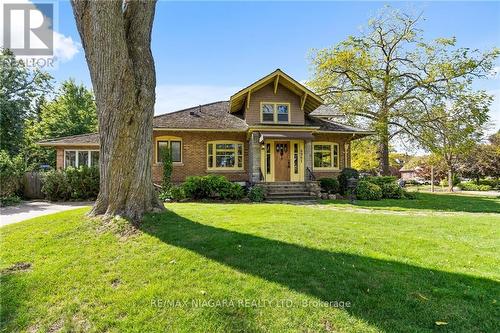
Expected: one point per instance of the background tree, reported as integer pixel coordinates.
(21, 88)
(71, 112)
(116, 37)
(388, 74)
(364, 157)
(483, 160)
(452, 128)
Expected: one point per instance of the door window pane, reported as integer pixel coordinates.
(70, 158)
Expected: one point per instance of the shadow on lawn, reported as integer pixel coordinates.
(390, 295)
(429, 201)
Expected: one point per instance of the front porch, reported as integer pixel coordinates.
(295, 157)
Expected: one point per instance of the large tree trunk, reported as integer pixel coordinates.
(116, 37)
(450, 180)
(382, 128)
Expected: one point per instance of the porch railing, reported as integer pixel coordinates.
(310, 174)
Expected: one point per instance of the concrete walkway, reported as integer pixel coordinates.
(29, 209)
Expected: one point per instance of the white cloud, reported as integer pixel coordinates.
(64, 47)
(172, 97)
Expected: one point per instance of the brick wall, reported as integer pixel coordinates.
(194, 155)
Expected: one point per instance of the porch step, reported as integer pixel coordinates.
(287, 191)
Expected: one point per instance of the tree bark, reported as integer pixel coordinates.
(450, 180)
(116, 37)
(382, 128)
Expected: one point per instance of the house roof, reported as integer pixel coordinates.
(209, 116)
(332, 126)
(309, 100)
(90, 139)
(213, 116)
(326, 111)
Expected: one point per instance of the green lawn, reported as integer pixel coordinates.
(254, 268)
(429, 202)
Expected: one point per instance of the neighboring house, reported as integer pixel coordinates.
(266, 132)
(409, 173)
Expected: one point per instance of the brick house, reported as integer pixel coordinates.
(267, 132)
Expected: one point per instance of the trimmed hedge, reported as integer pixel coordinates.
(72, 183)
(368, 191)
(471, 186)
(212, 187)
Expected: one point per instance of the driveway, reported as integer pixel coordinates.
(29, 209)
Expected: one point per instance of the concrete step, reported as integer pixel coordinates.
(290, 193)
(291, 198)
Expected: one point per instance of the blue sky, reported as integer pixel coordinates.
(205, 51)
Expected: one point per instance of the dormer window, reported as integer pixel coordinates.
(275, 112)
(268, 113)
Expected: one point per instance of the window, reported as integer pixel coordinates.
(225, 155)
(282, 113)
(175, 147)
(268, 158)
(268, 113)
(78, 158)
(275, 112)
(326, 155)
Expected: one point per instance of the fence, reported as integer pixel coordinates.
(32, 185)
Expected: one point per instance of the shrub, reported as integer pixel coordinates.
(55, 185)
(346, 174)
(232, 192)
(381, 180)
(212, 187)
(470, 186)
(368, 191)
(330, 185)
(11, 174)
(175, 193)
(257, 194)
(391, 191)
(83, 182)
(72, 183)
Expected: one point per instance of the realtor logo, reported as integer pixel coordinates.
(27, 29)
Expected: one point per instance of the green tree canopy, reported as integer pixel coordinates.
(388, 74)
(21, 89)
(71, 112)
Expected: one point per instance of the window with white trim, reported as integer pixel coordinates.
(275, 112)
(325, 155)
(79, 157)
(175, 147)
(225, 155)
